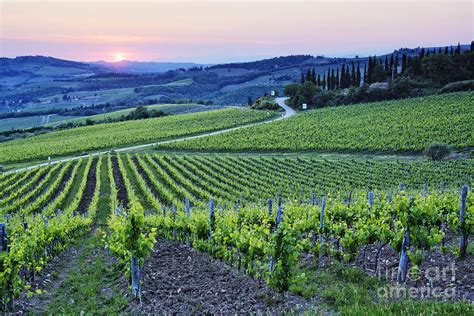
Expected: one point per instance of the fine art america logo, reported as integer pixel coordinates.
(433, 278)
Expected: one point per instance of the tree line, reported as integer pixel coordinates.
(406, 74)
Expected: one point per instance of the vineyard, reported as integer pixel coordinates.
(260, 214)
(112, 135)
(409, 125)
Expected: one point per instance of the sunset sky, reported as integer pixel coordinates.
(226, 30)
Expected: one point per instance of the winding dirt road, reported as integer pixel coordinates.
(289, 112)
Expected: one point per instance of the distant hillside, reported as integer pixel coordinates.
(33, 83)
(43, 66)
(267, 64)
(144, 67)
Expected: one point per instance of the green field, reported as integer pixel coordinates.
(167, 108)
(112, 135)
(408, 125)
(31, 121)
(54, 120)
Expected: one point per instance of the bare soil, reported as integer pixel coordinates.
(89, 189)
(442, 272)
(177, 279)
(122, 194)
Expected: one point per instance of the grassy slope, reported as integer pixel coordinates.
(167, 108)
(31, 121)
(106, 136)
(408, 125)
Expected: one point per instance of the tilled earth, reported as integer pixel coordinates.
(179, 279)
(442, 275)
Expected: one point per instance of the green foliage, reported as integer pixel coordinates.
(438, 151)
(265, 103)
(467, 85)
(391, 126)
(291, 90)
(444, 68)
(285, 255)
(129, 236)
(102, 136)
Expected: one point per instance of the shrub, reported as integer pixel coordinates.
(466, 85)
(438, 151)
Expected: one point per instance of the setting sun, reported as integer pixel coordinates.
(118, 57)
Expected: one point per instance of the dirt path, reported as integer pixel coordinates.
(82, 278)
(179, 279)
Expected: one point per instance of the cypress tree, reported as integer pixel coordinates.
(422, 53)
(451, 51)
(472, 46)
(439, 50)
(446, 50)
(302, 78)
(358, 79)
(391, 64)
(308, 75)
(458, 49)
(324, 81)
(396, 65)
(349, 77)
(370, 69)
(404, 63)
(366, 75)
(319, 81)
(338, 84)
(343, 76)
(333, 79)
(387, 68)
(329, 79)
(353, 76)
(313, 76)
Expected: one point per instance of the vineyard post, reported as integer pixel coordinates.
(370, 198)
(135, 276)
(187, 207)
(321, 224)
(464, 238)
(270, 207)
(211, 217)
(4, 247)
(279, 215)
(163, 208)
(424, 187)
(401, 186)
(441, 186)
(173, 213)
(59, 212)
(313, 195)
(3, 237)
(403, 264)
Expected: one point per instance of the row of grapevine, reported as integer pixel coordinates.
(267, 241)
(110, 135)
(408, 125)
(46, 225)
(175, 191)
(167, 180)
